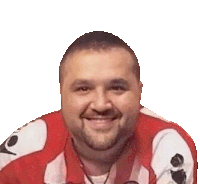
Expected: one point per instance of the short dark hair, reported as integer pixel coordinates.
(98, 40)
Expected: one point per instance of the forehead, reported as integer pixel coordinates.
(102, 63)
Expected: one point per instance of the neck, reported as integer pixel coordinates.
(99, 162)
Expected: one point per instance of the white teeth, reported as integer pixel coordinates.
(100, 120)
(99, 123)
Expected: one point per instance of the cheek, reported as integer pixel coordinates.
(128, 104)
(130, 109)
(72, 106)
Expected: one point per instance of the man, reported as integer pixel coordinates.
(101, 134)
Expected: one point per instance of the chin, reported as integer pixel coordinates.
(99, 140)
(103, 141)
(101, 146)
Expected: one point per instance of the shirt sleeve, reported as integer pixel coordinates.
(29, 139)
(174, 158)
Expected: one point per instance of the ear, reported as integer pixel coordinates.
(61, 83)
(140, 84)
(60, 88)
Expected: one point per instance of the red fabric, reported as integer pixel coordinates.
(31, 168)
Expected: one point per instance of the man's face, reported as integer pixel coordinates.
(100, 96)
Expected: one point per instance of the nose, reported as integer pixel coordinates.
(101, 101)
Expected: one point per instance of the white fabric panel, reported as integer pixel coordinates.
(166, 145)
(29, 139)
(139, 173)
(151, 113)
(143, 176)
(56, 170)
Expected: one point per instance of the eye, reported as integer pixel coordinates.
(118, 88)
(84, 89)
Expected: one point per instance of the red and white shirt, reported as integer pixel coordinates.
(160, 152)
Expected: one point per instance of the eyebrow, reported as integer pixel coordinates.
(119, 81)
(114, 81)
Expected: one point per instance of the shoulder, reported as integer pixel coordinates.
(172, 151)
(28, 139)
(153, 129)
(174, 157)
(154, 124)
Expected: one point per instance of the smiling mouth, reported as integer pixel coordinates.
(100, 123)
(101, 119)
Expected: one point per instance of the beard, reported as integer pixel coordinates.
(99, 139)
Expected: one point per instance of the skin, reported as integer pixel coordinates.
(100, 102)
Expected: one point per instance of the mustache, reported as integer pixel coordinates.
(101, 115)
